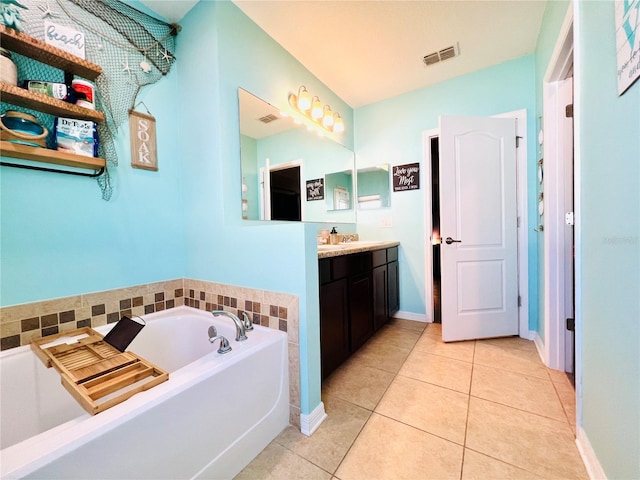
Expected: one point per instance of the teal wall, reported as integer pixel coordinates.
(219, 50)
(502, 88)
(59, 238)
(608, 245)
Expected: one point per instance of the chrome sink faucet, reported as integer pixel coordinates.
(240, 330)
(224, 343)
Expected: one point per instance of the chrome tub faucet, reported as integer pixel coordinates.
(240, 330)
(246, 320)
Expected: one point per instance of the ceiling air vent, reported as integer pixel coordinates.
(268, 118)
(441, 55)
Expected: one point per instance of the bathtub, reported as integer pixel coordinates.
(209, 420)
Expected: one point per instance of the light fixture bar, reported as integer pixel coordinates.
(312, 109)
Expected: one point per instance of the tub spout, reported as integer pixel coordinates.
(240, 330)
(246, 320)
(224, 343)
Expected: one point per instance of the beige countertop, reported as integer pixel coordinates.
(356, 246)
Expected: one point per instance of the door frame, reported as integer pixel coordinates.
(552, 347)
(265, 190)
(523, 239)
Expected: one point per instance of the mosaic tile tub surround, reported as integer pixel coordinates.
(19, 324)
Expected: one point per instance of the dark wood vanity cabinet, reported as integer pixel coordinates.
(358, 294)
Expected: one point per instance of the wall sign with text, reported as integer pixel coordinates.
(315, 189)
(406, 177)
(627, 15)
(142, 129)
(64, 38)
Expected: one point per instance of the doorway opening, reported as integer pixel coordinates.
(435, 226)
(432, 235)
(286, 199)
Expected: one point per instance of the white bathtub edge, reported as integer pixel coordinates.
(310, 423)
(17, 465)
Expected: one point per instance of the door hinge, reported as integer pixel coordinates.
(568, 111)
(519, 301)
(571, 324)
(518, 141)
(569, 219)
(518, 222)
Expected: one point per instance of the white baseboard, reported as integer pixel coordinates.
(416, 317)
(591, 463)
(537, 341)
(310, 423)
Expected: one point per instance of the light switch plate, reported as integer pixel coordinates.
(385, 222)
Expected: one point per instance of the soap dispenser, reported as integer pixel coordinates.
(333, 237)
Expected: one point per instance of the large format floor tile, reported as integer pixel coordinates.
(330, 443)
(438, 370)
(458, 350)
(359, 384)
(408, 406)
(531, 442)
(387, 449)
(382, 355)
(400, 337)
(434, 409)
(533, 394)
(276, 463)
(525, 361)
(480, 467)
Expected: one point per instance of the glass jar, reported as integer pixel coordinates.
(8, 70)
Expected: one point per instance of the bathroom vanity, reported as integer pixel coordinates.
(359, 292)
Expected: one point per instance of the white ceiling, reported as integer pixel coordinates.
(367, 51)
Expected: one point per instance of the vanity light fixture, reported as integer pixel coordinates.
(304, 99)
(316, 115)
(316, 108)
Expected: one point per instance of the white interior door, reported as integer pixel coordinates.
(478, 227)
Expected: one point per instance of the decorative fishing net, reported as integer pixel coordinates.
(133, 49)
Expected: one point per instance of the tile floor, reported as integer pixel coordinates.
(408, 406)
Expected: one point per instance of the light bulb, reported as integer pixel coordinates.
(338, 123)
(316, 108)
(304, 99)
(327, 118)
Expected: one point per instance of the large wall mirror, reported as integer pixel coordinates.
(374, 187)
(289, 173)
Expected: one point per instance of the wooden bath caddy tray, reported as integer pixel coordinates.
(91, 369)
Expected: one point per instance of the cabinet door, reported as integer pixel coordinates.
(334, 334)
(361, 309)
(380, 303)
(393, 286)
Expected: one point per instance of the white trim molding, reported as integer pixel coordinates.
(554, 261)
(591, 463)
(416, 317)
(310, 423)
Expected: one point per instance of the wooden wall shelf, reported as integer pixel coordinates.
(46, 155)
(30, 47)
(44, 103)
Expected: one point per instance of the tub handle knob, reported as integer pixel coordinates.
(224, 343)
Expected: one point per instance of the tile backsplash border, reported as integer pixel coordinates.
(19, 324)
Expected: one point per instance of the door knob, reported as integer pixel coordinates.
(450, 240)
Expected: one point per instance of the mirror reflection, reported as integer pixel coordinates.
(374, 187)
(289, 173)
